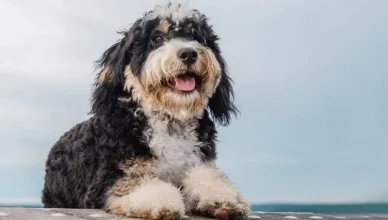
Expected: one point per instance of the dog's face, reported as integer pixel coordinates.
(169, 62)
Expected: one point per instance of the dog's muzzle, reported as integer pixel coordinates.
(188, 56)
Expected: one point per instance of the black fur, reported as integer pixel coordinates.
(84, 163)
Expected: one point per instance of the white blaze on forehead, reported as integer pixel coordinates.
(176, 44)
(176, 11)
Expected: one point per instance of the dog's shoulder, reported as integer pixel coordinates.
(109, 134)
(87, 153)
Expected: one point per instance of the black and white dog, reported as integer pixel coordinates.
(148, 151)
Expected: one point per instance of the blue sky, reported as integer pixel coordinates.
(311, 81)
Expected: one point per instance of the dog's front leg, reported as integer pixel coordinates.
(207, 190)
(140, 194)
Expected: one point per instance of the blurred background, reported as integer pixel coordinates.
(311, 81)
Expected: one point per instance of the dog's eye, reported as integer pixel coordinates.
(158, 39)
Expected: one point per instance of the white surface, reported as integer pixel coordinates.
(96, 215)
(58, 215)
(3, 214)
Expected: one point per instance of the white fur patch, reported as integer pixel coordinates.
(163, 61)
(153, 197)
(176, 11)
(175, 145)
(207, 186)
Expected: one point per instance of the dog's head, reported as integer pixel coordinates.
(168, 61)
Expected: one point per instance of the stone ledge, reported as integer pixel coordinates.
(93, 214)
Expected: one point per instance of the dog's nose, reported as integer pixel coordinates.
(188, 55)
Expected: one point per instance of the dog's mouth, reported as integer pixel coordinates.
(185, 82)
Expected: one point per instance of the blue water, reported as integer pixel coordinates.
(325, 208)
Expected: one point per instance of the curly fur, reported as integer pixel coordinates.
(144, 139)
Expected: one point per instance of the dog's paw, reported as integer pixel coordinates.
(225, 210)
(153, 200)
(207, 191)
(221, 208)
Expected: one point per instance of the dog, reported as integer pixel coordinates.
(148, 149)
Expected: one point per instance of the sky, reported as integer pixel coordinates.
(311, 82)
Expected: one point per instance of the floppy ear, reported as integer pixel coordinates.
(221, 103)
(109, 84)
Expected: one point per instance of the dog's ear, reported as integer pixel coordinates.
(221, 103)
(110, 80)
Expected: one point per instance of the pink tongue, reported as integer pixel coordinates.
(185, 84)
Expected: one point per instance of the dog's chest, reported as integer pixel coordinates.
(176, 148)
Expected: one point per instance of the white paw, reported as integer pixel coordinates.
(154, 199)
(207, 190)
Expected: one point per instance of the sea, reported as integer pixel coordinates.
(354, 208)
